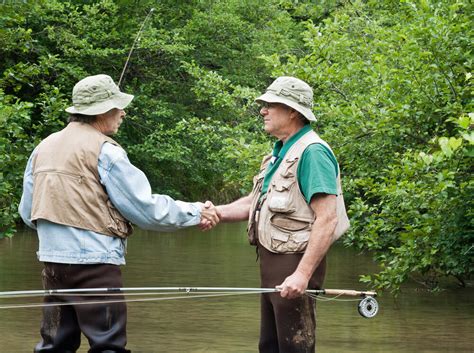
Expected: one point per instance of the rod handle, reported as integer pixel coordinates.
(349, 292)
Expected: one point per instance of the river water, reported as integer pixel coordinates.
(417, 321)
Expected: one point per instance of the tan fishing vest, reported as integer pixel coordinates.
(282, 219)
(66, 182)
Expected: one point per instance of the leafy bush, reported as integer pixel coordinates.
(15, 145)
(393, 90)
(47, 46)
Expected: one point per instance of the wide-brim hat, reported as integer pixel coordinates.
(292, 92)
(97, 94)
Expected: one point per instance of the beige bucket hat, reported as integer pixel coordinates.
(292, 92)
(97, 95)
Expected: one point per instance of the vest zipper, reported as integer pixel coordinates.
(80, 178)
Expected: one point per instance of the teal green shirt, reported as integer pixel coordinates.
(317, 169)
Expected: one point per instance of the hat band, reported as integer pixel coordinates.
(79, 100)
(300, 98)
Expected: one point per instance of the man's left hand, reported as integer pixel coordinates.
(209, 216)
(293, 286)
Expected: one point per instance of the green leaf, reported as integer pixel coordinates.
(455, 143)
(445, 147)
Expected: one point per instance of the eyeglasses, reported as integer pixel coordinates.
(266, 105)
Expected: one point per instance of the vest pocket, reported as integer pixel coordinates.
(119, 225)
(280, 200)
(289, 235)
(288, 170)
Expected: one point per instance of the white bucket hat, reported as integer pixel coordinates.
(97, 95)
(292, 92)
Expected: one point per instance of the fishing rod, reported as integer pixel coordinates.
(137, 38)
(367, 307)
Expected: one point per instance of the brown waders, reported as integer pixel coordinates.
(286, 325)
(104, 324)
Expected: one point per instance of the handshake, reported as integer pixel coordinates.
(210, 216)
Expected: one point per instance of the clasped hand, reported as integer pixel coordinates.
(209, 216)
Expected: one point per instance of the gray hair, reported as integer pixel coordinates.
(81, 118)
(302, 118)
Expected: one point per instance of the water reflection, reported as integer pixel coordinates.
(417, 321)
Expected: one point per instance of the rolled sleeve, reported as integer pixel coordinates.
(130, 192)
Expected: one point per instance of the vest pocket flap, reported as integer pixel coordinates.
(283, 185)
(281, 204)
(288, 167)
(289, 224)
(287, 242)
(280, 236)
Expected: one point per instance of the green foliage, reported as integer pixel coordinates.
(245, 144)
(171, 128)
(227, 36)
(310, 10)
(425, 213)
(15, 146)
(393, 91)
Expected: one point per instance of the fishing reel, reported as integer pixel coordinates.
(368, 307)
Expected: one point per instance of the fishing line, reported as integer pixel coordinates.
(123, 290)
(96, 294)
(367, 307)
(87, 302)
(329, 299)
(137, 39)
(183, 292)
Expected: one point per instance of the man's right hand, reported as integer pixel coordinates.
(209, 216)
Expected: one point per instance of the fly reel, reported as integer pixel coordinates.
(368, 307)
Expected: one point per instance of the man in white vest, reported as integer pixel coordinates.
(82, 194)
(295, 212)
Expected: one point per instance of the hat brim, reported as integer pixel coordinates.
(273, 98)
(119, 101)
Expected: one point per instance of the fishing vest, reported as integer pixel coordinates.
(281, 220)
(66, 182)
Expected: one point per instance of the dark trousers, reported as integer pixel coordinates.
(286, 325)
(103, 324)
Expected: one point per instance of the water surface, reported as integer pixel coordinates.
(417, 321)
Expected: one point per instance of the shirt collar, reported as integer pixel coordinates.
(280, 149)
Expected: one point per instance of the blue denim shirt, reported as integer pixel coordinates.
(130, 192)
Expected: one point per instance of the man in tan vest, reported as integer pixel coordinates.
(82, 194)
(295, 212)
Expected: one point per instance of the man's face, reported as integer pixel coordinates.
(112, 120)
(276, 118)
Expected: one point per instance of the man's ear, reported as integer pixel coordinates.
(294, 114)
